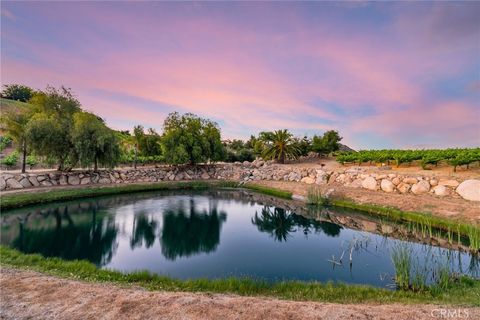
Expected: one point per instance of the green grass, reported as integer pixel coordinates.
(315, 197)
(7, 105)
(465, 292)
(270, 191)
(9, 201)
(423, 219)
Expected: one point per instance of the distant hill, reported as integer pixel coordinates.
(345, 148)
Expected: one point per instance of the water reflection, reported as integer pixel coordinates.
(280, 223)
(144, 229)
(188, 233)
(69, 238)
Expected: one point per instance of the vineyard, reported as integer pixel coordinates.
(454, 157)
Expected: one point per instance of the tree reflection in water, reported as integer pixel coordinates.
(144, 229)
(279, 223)
(187, 233)
(92, 240)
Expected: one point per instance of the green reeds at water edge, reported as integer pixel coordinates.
(411, 275)
(315, 197)
(402, 261)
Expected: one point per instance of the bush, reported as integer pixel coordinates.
(32, 161)
(4, 142)
(11, 159)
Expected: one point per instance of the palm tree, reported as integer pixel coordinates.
(279, 145)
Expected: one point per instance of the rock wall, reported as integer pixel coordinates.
(355, 177)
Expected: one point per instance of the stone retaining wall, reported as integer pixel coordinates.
(355, 177)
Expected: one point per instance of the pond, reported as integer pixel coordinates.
(224, 233)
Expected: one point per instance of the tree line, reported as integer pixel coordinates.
(55, 128)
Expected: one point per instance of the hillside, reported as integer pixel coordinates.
(7, 105)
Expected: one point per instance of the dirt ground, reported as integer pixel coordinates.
(31, 295)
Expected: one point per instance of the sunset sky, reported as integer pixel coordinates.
(386, 75)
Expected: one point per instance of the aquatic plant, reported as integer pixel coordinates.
(402, 261)
(473, 235)
(315, 197)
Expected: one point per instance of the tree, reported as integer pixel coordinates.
(51, 139)
(17, 92)
(279, 145)
(190, 139)
(94, 142)
(327, 143)
(49, 130)
(15, 124)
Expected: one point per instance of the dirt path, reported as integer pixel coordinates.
(31, 295)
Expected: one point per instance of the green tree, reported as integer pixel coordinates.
(51, 139)
(329, 142)
(49, 130)
(17, 92)
(190, 139)
(14, 122)
(279, 145)
(94, 142)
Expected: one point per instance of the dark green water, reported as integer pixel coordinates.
(217, 234)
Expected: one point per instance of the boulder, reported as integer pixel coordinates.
(85, 180)
(13, 184)
(46, 183)
(441, 191)
(410, 180)
(387, 185)
(396, 181)
(403, 187)
(433, 182)
(369, 183)
(25, 183)
(73, 180)
(34, 181)
(468, 189)
(104, 181)
(421, 187)
(308, 180)
(3, 184)
(449, 183)
(357, 183)
(63, 180)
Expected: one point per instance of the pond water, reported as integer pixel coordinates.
(217, 234)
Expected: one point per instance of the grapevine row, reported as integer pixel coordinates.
(455, 157)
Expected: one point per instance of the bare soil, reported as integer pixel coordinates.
(32, 295)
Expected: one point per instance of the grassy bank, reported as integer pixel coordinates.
(394, 214)
(465, 292)
(270, 191)
(9, 201)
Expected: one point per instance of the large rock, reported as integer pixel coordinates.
(441, 191)
(468, 189)
(449, 183)
(369, 183)
(33, 180)
(421, 187)
(387, 185)
(74, 180)
(410, 180)
(403, 187)
(14, 184)
(63, 180)
(3, 184)
(308, 180)
(25, 183)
